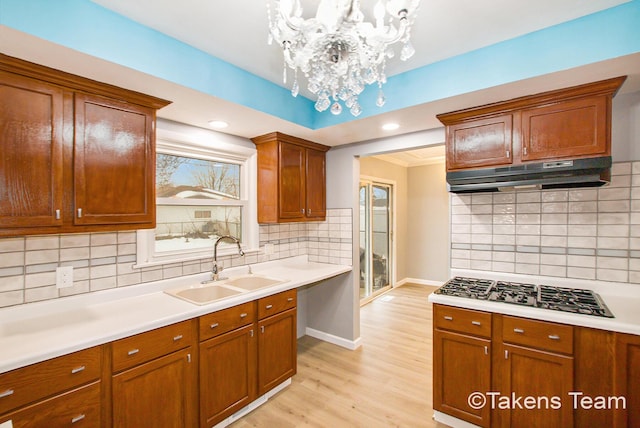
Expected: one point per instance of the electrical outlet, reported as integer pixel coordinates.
(268, 249)
(64, 277)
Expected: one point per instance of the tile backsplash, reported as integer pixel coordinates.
(105, 260)
(584, 233)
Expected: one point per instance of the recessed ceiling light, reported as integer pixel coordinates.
(218, 124)
(390, 126)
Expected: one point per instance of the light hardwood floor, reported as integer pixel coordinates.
(385, 383)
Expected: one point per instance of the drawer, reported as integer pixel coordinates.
(40, 380)
(271, 305)
(78, 408)
(143, 347)
(467, 321)
(538, 334)
(219, 322)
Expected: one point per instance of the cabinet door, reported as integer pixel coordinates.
(480, 143)
(227, 374)
(626, 379)
(566, 129)
(316, 185)
(545, 377)
(277, 349)
(292, 181)
(114, 164)
(31, 126)
(160, 393)
(461, 366)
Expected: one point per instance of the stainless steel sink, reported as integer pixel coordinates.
(202, 294)
(252, 282)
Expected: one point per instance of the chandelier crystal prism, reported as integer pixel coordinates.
(337, 51)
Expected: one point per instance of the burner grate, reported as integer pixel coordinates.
(579, 301)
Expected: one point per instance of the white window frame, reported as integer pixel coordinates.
(208, 145)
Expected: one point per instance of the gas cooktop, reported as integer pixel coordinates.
(571, 300)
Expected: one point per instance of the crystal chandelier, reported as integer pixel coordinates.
(337, 51)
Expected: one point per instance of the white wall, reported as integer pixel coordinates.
(625, 127)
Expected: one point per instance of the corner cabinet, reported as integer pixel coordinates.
(291, 179)
(567, 123)
(75, 155)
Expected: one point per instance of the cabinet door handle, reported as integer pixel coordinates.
(262, 329)
(57, 214)
(77, 369)
(508, 154)
(176, 338)
(79, 212)
(214, 325)
(486, 350)
(524, 150)
(476, 323)
(448, 318)
(133, 352)
(243, 315)
(554, 337)
(77, 419)
(290, 299)
(518, 330)
(506, 354)
(251, 333)
(6, 393)
(269, 306)
(188, 358)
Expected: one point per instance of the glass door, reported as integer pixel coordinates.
(375, 238)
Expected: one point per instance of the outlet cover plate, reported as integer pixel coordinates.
(64, 277)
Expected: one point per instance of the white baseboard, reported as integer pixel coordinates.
(451, 421)
(336, 340)
(419, 281)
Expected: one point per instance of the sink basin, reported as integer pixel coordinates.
(208, 292)
(204, 294)
(252, 282)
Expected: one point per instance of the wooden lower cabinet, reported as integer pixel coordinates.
(276, 350)
(461, 366)
(627, 380)
(537, 384)
(160, 393)
(228, 377)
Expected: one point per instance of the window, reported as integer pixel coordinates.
(201, 194)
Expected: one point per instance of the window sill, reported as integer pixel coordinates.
(168, 261)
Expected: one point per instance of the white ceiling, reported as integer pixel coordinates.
(236, 31)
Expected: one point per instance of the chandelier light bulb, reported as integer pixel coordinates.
(337, 50)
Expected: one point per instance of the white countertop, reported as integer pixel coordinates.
(622, 299)
(39, 331)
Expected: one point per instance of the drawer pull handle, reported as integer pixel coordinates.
(290, 299)
(518, 330)
(486, 350)
(77, 369)
(448, 318)
(251, 333)
(77, 419)
(133, 352)
(57, 214)
(262, 329)
(6, 393)
(79, 212)
(476, 323)
(214, 325)
(269, 306)
(176, 338)
(554, 337)
(243, 315)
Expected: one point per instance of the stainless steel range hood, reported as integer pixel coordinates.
(587, 172)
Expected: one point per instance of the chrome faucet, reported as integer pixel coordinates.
(215, 270)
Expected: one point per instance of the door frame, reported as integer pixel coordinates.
(392, 232)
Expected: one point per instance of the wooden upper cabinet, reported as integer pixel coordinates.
(31, 117)
(567, 123)
(479, 143)
(75, 155)
(291, 179)
(114, 165)
(574, 128)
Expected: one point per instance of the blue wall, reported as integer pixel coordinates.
(89, 28)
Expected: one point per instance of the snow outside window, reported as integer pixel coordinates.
(201, 194)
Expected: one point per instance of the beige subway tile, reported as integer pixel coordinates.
(41, 257)
(12, 283)
(11, 245)
(558, 271)
(105, 283)
(581, 272)
(78, 253)
(11, 298)
(75, 240)
(42, 242)
(612, 275)
(98, 252)
(40, 293)
(12, 259)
